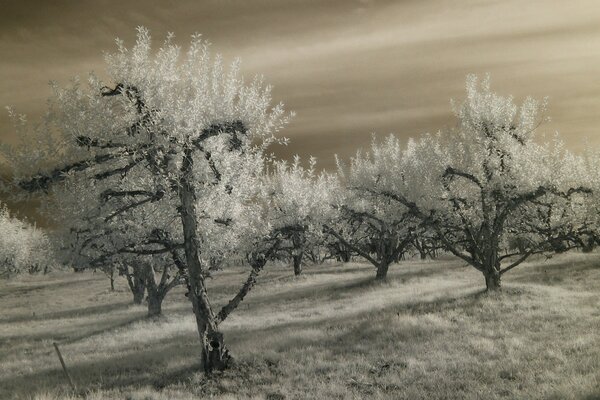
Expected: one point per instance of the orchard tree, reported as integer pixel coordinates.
(302, 201)
(488, 181)
(102, 235)
(382, 231)
(24, 248)
(337, 249)
(170, 130)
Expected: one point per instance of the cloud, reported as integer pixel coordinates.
(392, 67)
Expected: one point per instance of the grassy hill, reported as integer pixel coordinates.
(428, 333)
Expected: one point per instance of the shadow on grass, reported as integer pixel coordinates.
(344, 288)
(595, 395)
(25, 290)
(150, 367)
(12, 343)
(240, 336)
(332, 269)
(73, 313)
(142, 368)
(553, 272)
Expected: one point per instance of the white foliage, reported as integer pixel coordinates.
(23, 247)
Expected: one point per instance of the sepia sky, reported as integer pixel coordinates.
(347, 67)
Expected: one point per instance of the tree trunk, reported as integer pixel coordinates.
(382, 270)
(155, 295)
(214, 355)
(154, 304)
(138, 295)
(588, 245)
(423, 254)
(137, 285)
(492, 270)
(112, 280)
(345, 256)
(297, 259)
(493, 280)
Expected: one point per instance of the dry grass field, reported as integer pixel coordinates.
(428, 333)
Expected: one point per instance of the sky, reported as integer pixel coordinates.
(348, 68)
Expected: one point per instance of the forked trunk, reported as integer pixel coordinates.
(382, 270)
(137, 285)
(213, 352)
(154, 304)
(493, 280)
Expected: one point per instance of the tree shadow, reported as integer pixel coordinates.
(556, 271)
(72, 313)
(140, 368)
(149, 367)
(413, 308)
(9, 290)
(345, 288)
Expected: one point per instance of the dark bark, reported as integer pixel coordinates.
(155, 295)
(493, 280)
(345, 255)
(155, 300)
(257, 261)
(111, 276)
(297, 260)
(382, 270)
(157, 291)
(138, 294)
(214, 355)
(137, 284)
(233, 303)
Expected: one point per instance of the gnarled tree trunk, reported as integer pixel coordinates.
(382, 270)
(137, 284)
(214, 355)
(154, 304)
(156, 293)
(493, 280)
(491, 270)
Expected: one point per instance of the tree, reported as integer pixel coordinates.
(488, 181)
(163, 136)
(302, 201)
(381, 229)
(24, 248)
(100, 236)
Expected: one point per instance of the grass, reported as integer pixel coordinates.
(428, 333)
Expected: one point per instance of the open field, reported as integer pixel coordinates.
(429, 332)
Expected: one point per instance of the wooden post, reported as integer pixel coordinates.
(64, 367)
